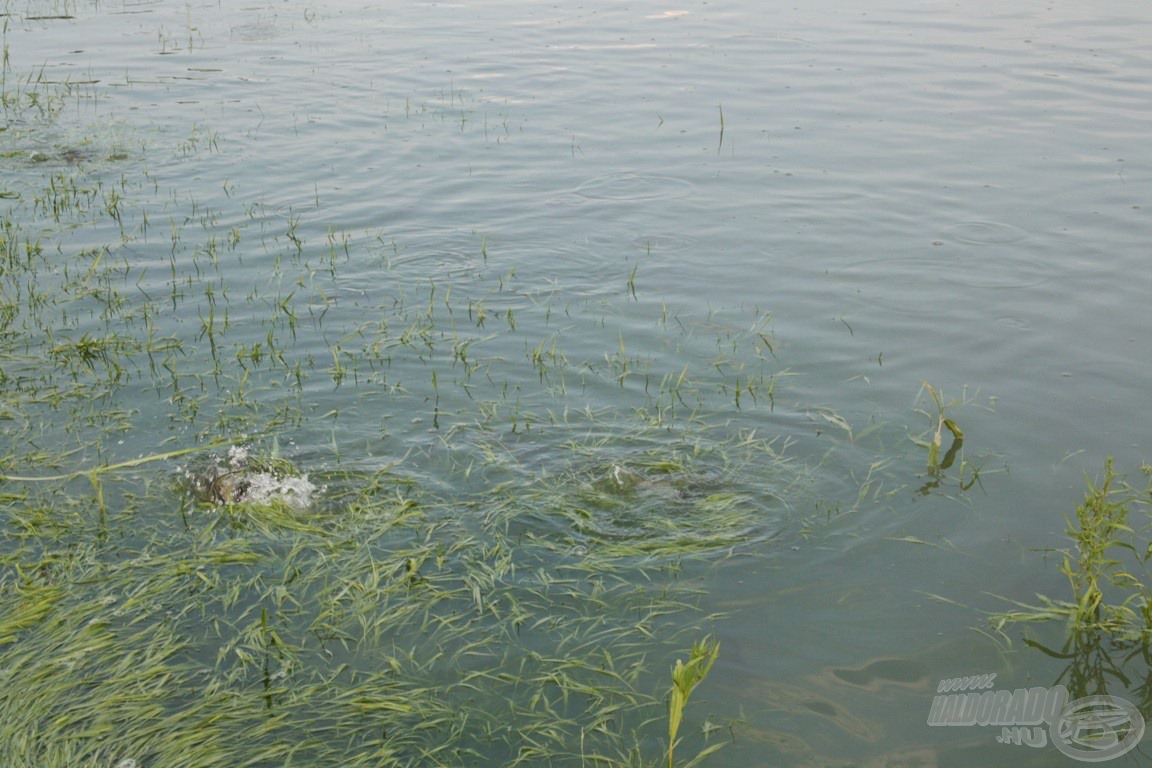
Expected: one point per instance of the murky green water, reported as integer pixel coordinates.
(599, 328)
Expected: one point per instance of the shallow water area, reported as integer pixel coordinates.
(588, 332)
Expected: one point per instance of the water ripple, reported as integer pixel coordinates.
(634, 187)
(984, 233)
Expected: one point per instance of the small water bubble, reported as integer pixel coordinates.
(579, 550)
(127, 763)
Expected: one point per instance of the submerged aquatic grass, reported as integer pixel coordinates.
(1104, 630)
(1105, 567)
(669, 499)
(685, 677)
(485, 550)
(388, 634)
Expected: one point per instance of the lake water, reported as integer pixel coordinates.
(671, 278)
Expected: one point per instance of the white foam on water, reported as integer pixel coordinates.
(264, 488)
